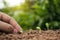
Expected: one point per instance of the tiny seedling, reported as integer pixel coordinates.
(38, 28)
(47, 25)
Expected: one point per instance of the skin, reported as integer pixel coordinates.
(6, 19)
(5, 27)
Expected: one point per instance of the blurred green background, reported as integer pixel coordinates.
(35, 14)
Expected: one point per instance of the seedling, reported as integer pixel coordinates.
(47, 25)
(38, 28)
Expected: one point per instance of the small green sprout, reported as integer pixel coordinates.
(47, 25)
(38, 28)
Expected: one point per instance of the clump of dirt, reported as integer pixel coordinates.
(32, 35)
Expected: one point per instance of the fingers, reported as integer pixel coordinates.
(4, 17)
(6, 27)
(15, 25)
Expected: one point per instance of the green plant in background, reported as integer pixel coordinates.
(47, 10)
(36, 14)
(25, 20)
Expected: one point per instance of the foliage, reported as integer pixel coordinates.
(36, 14)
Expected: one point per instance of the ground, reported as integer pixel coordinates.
(32, 35)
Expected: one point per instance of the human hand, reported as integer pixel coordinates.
(8, 24)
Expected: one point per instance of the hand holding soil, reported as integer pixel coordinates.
(8, 24)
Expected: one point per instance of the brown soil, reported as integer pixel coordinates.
(32, 35)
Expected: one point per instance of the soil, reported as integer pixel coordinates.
(32, 35)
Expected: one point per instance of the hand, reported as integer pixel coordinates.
(7, 22)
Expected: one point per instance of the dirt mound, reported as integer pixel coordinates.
(32, 35)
